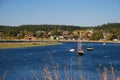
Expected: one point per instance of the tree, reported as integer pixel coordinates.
(20, 35)
(54, 32)
(97, 35)
(1, 34)
(109, 37)
(118, 35)
(39, 34)
(45, 35)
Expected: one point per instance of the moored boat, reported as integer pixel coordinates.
(80, 49)
(104, 43)
(90, 49)
(72, 50)
(81, 52)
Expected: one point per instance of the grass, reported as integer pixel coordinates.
(52, 73)
(4, 45)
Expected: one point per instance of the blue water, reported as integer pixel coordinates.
(30, 63)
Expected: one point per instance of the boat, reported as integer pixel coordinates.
(90, 48)
(80, 50)
(72, 50)
(104, 43)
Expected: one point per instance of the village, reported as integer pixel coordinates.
(66, 36)
(105, 32)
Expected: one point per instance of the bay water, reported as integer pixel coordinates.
(56, 61)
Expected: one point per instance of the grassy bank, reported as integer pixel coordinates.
(4, 45)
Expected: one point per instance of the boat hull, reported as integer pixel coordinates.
(90, 49)
(79, 53)
(72, 50)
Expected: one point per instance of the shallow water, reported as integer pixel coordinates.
(29, 63)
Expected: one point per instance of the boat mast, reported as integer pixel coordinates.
(79, 42)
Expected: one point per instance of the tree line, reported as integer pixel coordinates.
(112, 30)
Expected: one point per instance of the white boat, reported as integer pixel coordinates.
(80, 50)
(72, 50)
(90, 49)
(104, 43)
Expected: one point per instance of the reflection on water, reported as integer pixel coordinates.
(57, 62)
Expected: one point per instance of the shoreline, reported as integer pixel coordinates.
(89, 41)
(58, 41)
(7, 44)
(10, 45)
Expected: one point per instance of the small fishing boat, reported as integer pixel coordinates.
(104, 43)
(90, 49)
(80, 49)
(80, 52)
(72, 50)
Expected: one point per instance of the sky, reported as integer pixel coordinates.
(61, 12)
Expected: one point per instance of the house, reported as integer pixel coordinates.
(115, 40)
(89, 33)
(56, 37)
(105, 34)
(53, 37)
(29, 37)
(65, 33)
(61, 37)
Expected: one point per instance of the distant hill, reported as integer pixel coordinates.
(33, 28)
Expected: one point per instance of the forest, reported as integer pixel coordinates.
(112, 30)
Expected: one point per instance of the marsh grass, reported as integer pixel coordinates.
(52, 72)
(108, 73)
(4, 75)
(4, 45)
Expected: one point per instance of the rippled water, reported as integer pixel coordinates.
(29, 63)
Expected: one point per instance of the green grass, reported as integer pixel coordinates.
(5, 45)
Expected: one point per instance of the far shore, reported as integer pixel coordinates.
(102, 41)
(106, 41)
(19, 44)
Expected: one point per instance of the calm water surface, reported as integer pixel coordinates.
(29, 63)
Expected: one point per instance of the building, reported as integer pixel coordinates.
(29, 37)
